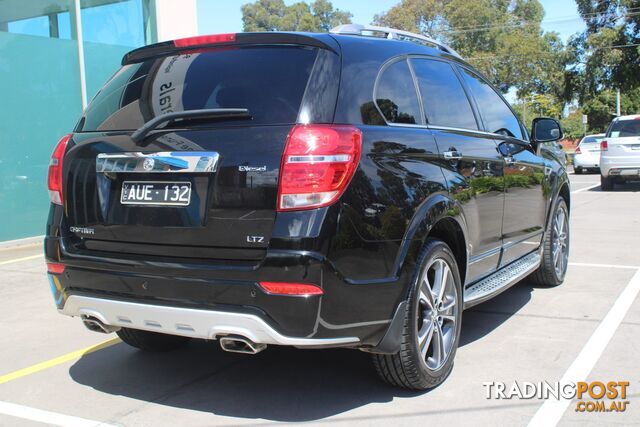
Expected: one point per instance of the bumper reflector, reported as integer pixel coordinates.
(283, 288)
(55, 268)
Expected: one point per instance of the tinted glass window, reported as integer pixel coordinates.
(396, 95)
(591, 139)
(496, 113)
(624, 128)
(445, 102)
(269, 81)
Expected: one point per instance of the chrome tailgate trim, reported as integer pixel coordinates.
(159, 162)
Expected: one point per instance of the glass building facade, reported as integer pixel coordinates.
(45, 78)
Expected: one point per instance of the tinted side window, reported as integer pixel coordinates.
(445, 102)
(496, 114)
(396, 95)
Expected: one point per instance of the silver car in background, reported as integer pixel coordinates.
(587, 154)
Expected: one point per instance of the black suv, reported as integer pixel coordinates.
(309, 190)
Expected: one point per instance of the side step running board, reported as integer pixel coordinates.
(501, 280)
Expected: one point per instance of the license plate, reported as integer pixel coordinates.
(156, 193)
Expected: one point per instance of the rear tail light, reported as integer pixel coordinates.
(317, 165)
(578, 151)
(604, 146)
(204, 40)
(283, 288)
(55, 268)
(54, 180)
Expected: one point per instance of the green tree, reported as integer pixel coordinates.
(537, 105)
(275, 15)
(418, 16)
(572, 124)
(607, 58)
(600, 107)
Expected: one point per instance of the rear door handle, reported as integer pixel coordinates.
(452, 155)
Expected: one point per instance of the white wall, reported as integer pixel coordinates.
(176, 19)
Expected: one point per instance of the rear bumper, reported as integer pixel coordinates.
(194, 323)
(215, 298)
(628, 166)
(586, 161)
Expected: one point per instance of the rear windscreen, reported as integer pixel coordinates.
(591, 139)
(624, 128)
(269, 81)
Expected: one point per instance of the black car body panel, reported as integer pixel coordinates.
(360, 250)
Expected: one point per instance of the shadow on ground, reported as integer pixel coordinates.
(482, 319)
(623, 187)
(280, 384)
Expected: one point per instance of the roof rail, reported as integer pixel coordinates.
(391, 33)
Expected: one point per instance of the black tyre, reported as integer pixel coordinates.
(151, 341)
(555, 251)
(431, 326)
(606, 183)
(577, 171)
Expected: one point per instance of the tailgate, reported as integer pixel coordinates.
(204, 188)
(232, 192)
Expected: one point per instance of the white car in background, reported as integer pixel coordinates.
(620, 152)
(587, 155)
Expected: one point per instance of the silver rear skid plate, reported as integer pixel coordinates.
(189, 322)
(501, 280)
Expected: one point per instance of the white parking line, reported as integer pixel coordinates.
(551, 411)
(587, 264)
(47, 417)
(26, 258)
(586, 188)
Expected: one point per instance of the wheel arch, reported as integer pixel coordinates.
(562, 190)
(566, 194)
(439, 217)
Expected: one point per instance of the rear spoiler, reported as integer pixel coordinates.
(322, 41)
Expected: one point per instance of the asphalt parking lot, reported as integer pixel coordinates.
(54, 371)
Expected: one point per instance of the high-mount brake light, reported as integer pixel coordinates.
(54, 180)
(284, 288)
(604, 146)
(317, 165)
(205, 40)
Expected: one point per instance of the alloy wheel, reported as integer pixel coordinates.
(560, 242)
(437, 314)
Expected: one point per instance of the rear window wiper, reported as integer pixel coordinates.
(179, 116)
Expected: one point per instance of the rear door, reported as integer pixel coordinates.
(524, 171)
(203, 189)
(471, 162)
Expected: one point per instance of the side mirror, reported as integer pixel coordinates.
(545, 129)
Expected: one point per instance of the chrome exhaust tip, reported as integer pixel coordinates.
(238, 344)
(95, 325)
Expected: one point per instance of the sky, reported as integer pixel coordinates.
(224, 16)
